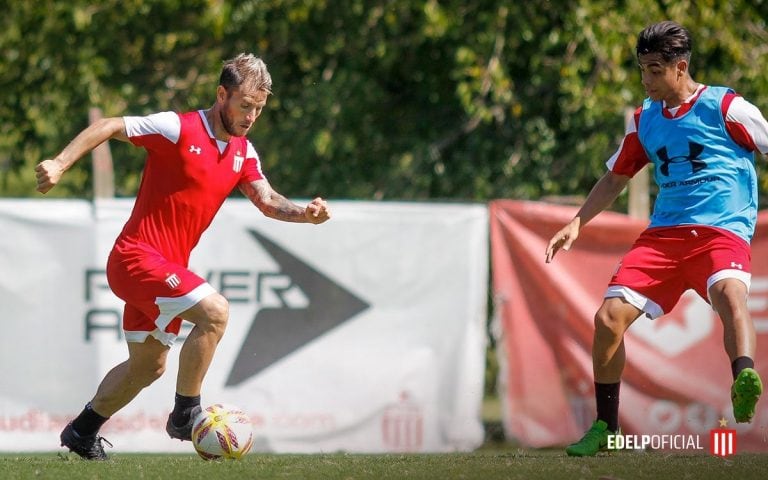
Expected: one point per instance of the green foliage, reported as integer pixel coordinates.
(373, 99)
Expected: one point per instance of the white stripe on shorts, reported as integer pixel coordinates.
(170, 308)
(648, 306)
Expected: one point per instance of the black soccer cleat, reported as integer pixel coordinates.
(88, 447)
(183, 432)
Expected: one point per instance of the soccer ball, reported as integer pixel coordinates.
(222, 431)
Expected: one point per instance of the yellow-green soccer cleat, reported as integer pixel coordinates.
(745, 391)
(595, 440)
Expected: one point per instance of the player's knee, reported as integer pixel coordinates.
(154, 373)
(730, 301)
(217, 313)
(606, 324)
(147, 372)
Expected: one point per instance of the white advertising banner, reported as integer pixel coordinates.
(364, 334)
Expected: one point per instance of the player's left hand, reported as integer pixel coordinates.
(317, 211)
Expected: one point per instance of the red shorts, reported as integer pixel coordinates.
(154, 289)
(665, 262)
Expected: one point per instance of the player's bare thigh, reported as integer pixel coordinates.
(147, 357)
(729, 295)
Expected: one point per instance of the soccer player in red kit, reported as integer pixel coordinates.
(194, 161)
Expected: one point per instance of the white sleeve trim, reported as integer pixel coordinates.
(630, 128)
(167, 124)
(743, 112)
(612, 161)
(251, 153)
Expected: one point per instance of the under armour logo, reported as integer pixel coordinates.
(194, 149)
(736, 265)
(694, 150)
(173, 280)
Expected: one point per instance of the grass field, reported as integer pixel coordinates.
(499, 462)
(497, 459)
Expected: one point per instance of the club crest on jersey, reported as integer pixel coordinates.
(173, 280)
(237, 164)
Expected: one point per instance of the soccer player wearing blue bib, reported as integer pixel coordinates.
(701, 141)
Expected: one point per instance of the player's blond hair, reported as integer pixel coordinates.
(247, 72)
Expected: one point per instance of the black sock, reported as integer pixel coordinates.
(740, 364)
(607, 396)
(182, 408)
(88, 422)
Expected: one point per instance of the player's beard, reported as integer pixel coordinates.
(228, 124)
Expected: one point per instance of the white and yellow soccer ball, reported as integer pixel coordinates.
(222, 431)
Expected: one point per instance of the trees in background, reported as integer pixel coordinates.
(373, 99)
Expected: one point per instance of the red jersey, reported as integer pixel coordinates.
(187, 176)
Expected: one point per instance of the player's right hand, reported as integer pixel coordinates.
(48, 173)
(563, 239)
(317, 211)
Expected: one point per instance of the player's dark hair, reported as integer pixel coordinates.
(245, 70)
(668, 38)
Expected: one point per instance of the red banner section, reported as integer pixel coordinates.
(677, 378)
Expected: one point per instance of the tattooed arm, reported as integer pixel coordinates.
(276, 206)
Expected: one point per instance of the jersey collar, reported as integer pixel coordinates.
(221, 145)
(684, 107)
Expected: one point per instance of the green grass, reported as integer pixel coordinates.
(499, 462)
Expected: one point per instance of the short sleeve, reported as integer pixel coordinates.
(164, 124)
